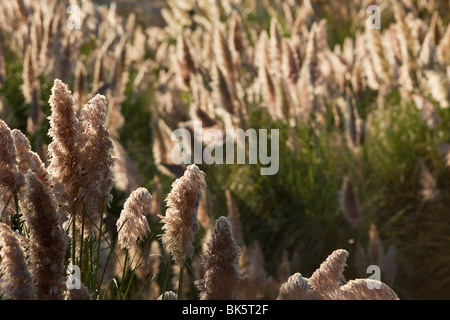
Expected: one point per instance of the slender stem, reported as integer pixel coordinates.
(82, 238)
(124, 272)
(87, 260)
(111, 246)
(104, 270)
(180, 282)
(97, 260)
(74, 240)
(166, 280)
(107, 287)
(191, 272)
(4, 209)
(98, 244)
(125, 264)
(149, 279)
(129, 285)
(16, 203)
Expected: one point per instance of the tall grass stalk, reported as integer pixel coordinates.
(167, 278)
(180, 283)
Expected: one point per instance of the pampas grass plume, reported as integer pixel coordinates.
(48, 240)
(132, 224)
(222, 276)
(349, 203)
(16, 282)
(180, 221)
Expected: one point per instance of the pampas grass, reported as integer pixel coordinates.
(18, 285)
(222, 275)
(64, 149)
(180, 221)
(48, 241)
(349, 203)
(328, 282)
(132, 224)
(11, 179)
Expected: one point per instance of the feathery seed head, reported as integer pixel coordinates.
(28, 159)
(366, 289)
(168, 295)
(349, 203)
(11, 179)
(222, 275)
(295, 288)
(64, 149)
(15, 282)
(95, 174)
(180, 221)
(429, 191)
(48, 241)
(327, 282)
(329, 277)
(132, 224)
